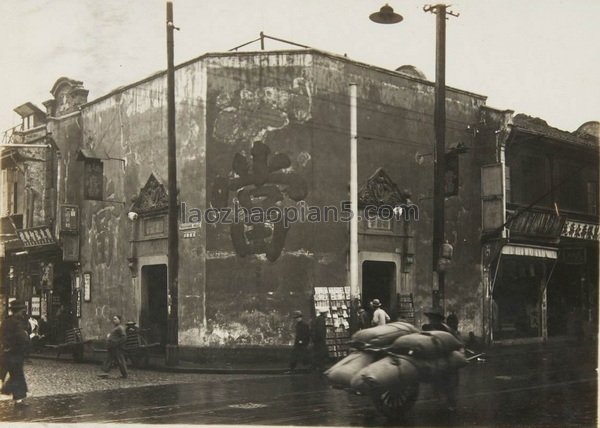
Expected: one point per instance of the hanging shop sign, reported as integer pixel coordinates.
(69, 218)
(36, 236)
(581, 230)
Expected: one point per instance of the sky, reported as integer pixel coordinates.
(539, 57)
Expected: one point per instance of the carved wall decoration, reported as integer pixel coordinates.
(153, 197)
(380, 190)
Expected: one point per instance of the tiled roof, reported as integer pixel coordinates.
(535, 125)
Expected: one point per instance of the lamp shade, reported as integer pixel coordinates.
(386, 15)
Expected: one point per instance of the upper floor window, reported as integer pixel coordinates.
(12, 192)
(534, 189)
(93, 179)
(571, 188)
(377, 223)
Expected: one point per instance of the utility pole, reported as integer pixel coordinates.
(439, 123)
(354, 289)
(173, 237)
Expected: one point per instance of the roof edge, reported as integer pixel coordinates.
(124, 88)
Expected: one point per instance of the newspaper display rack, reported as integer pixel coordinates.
(336, 301)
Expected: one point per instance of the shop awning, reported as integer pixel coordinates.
(530, 251)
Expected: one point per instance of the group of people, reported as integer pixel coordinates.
(375, 316)
(302, 353)
(19, 333)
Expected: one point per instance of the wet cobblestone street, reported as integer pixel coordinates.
(51, 377)
(529, 389)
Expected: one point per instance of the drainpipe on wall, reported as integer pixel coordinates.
(354, 291)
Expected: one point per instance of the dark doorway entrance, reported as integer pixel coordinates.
(378, 282)
(61, 303)
(154, 312)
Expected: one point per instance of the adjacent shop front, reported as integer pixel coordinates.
(544, 281)
(50, 287)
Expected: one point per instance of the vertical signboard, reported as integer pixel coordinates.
(44, 305)
(69, 218)
(36, 306)
(492, 197)
(87, 287)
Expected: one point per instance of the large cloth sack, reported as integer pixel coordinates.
(381, 336)
(427, 344)
(430, 370)
(342, 372)
(385, 374)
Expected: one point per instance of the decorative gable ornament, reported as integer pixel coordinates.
(153, 197)
(380, 190)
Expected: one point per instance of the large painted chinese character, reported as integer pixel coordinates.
(260, 183)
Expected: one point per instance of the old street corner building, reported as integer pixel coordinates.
(84, 215)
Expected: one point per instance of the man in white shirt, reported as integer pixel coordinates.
(380, 317)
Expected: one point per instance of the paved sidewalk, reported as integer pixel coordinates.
(157, 363)
(47, 377)
(272, 367)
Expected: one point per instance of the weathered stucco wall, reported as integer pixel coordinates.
(131, 125)
(297, 104)
(270, 129)
(395, 124)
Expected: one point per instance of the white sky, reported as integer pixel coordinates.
(538, 57)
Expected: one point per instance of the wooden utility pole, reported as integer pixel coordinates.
(354, 287)
(173, 237)
(439, 120)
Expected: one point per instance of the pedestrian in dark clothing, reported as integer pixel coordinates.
(115, 341)
(452, 322)
(319, 335)
(301, 341)
(15, 345)
(364, 319)
(447, 383)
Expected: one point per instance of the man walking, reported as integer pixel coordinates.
(115, 341)
(300, 349)
(380, 317)
(15, 343)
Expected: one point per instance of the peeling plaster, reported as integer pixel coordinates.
(248, 115)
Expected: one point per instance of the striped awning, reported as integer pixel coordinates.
(530, 251)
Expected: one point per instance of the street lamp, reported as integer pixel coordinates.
(386, 15)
